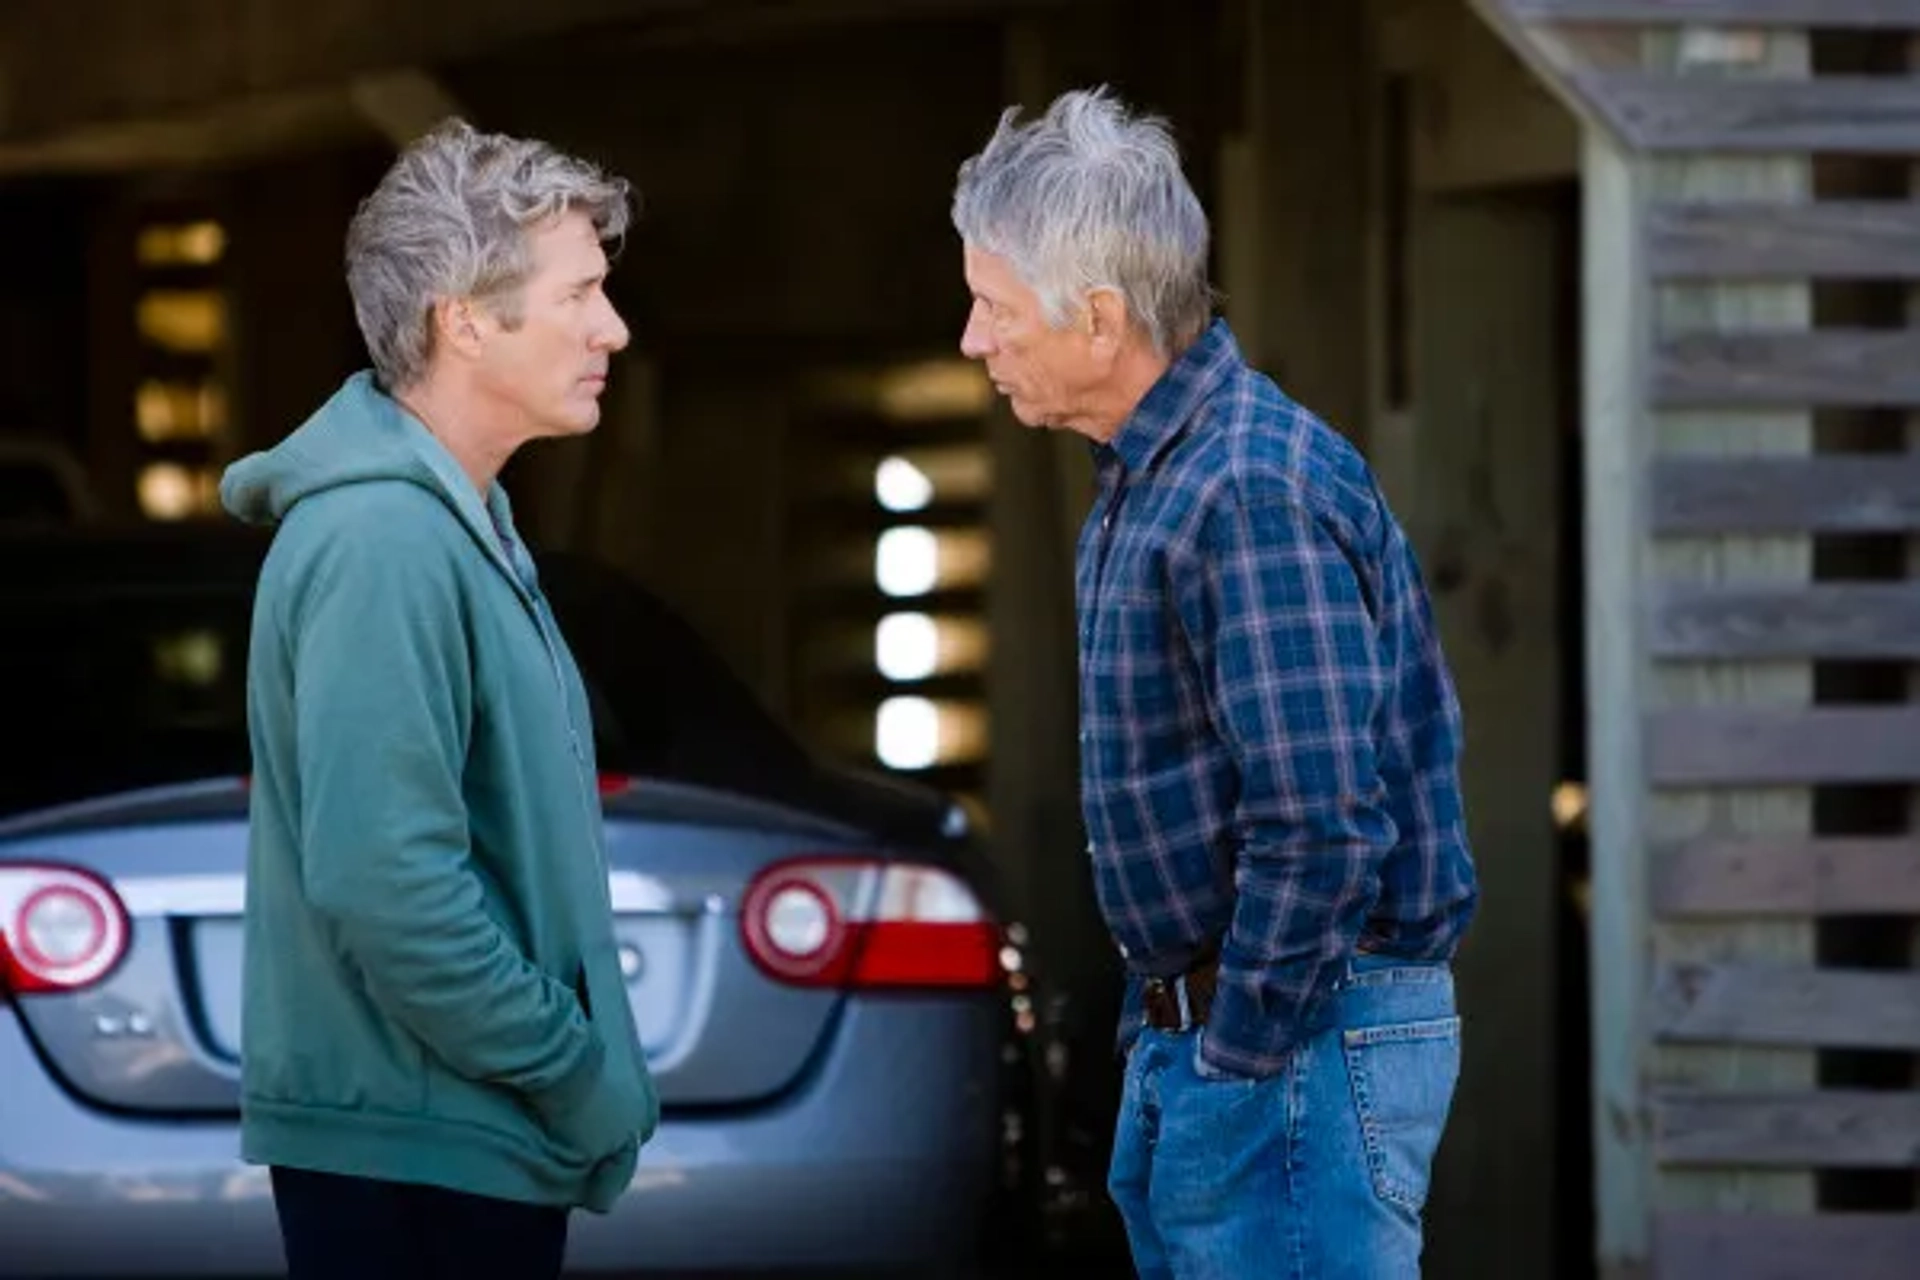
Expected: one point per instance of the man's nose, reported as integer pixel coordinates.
(613, 335)
(974, 341)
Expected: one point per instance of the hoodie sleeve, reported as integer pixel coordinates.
(383, 702)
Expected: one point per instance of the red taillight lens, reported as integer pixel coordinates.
(60, 929)
(854, 922)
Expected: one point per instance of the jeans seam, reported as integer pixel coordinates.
(1296, 1075)
(1412, 976)
(1353, 1046)
(1360, 1082)
(1447, 1028)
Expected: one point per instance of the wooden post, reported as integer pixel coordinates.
(1913, 570)
(1616, 429)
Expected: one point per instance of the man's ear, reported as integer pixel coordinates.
(458, 324)
(1106, 320)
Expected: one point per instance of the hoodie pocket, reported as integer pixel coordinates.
(580, 990)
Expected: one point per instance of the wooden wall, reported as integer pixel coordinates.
(1755, 738)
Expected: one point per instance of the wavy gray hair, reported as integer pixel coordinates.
(449, 220)
(1086, 197)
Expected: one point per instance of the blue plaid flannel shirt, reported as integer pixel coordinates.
(1269, 732)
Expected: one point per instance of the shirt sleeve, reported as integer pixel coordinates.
(1287, 647)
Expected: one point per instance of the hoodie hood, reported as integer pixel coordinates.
(360, 435)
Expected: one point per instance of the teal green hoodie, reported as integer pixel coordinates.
(432, 989)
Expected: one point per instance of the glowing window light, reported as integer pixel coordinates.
(935, 389)
(906, 561)
(906, 733)
(188, 320)
(169, 491)
(901, 486)
(189, 244)
(906, 646)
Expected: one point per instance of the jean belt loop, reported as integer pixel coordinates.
(1186, 1006)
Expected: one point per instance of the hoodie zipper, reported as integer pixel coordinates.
(536, 601)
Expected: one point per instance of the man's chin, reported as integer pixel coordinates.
(579, 422)
(1027, 416)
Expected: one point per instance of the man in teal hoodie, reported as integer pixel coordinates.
(439, 1058)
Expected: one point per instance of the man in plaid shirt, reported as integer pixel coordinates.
(1269, 735)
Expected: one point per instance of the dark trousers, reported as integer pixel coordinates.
(342, 1228)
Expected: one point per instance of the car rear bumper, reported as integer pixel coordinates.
(882, 1156)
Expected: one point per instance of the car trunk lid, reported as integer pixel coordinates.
(162, 1032)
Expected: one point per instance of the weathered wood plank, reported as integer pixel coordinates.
(1716, 746)
(1837, 240)
(1789, 877)
(1765, 1246)
(1682, 814)
(1786, 1006)
(1837, 621)
(1872, 493)
(1838, 368)
(1891, 14)
(1821, 1129)
(1860, 115)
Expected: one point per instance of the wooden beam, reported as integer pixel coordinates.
(1871, 115)
(1833, 494)
(1820, 1129)
(1721, 746)
(1787, 1006)
(1836, 621)
(1891, 14)
(1789, 877)
(1765, 1246)
(405, 104)
(1837, 368)
(233, 132)
(1836, 240)
(63, 65)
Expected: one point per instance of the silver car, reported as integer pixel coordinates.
(812, 955)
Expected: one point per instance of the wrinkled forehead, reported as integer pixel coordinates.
(994, 278)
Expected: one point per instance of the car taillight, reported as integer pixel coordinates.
(60, 929)
(860, 923)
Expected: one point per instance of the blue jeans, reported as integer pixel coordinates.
(1318, 1172)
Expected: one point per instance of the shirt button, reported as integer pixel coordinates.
(1089, 848)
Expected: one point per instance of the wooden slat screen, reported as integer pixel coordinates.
(1719, 119)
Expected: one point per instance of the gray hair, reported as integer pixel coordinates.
(449, 220)
(1089, 197)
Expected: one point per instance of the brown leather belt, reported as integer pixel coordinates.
(1161, 997)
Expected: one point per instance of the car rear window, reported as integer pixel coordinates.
(113, 689)
(128, 669)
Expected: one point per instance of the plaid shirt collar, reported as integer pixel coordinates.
(1169, 405)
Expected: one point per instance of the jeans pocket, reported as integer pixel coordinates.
(1403, 1077)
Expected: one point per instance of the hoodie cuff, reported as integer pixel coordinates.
(587, 1111)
